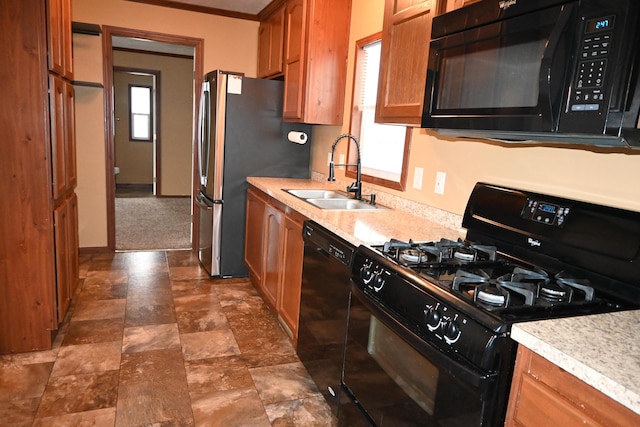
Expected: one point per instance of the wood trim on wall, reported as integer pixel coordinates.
(201, 9)
(107, 48)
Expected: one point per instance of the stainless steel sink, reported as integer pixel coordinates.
(332, 200)
(345, 204)
(317, 194)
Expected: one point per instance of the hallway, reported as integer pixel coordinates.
(150, 340)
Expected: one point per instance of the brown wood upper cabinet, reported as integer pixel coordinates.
(271, 45)
(314, 65)
(406, 32)
(60, 51)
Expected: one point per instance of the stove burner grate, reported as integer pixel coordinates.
(477, 275)
(533, 287)
(445, 252)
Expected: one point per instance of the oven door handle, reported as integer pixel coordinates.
(465, 372)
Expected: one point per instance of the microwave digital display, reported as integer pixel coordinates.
(600, 24)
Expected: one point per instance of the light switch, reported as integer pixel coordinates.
(440, 178)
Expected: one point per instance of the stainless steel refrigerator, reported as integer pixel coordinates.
(241, 134)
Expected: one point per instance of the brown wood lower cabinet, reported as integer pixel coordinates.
(291, 281)
(543, 394)
(66, 245)
(273, 253)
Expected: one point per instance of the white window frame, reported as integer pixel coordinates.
(144, 115)
(394, 146)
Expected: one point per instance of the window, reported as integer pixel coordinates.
(140, 113)
(383, 148)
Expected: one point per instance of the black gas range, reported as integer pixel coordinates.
(526, 256)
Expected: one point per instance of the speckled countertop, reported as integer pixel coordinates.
(367, 227)
(602, 350)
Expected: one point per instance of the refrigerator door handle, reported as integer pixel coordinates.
(201, 201)
(206, 203)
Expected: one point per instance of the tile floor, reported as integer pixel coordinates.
(151, 341)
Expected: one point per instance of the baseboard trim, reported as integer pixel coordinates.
(94, 250)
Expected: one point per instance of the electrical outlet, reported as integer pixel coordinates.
(341, 161)
(440, 179)
(417, 178)
(328, 158)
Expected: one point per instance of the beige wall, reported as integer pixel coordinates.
(175, 125)
(606, 178)
(229, 44)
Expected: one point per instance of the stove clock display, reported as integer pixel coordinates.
(545, 213)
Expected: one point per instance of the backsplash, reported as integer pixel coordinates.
(448, 219)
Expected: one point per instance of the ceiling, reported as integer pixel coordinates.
(243, 9)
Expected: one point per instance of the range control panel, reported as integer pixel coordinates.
(545, 213)
(588, 94)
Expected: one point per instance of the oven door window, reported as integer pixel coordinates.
(396, 385)
(415, 375)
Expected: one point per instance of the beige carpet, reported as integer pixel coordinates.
(149, 223)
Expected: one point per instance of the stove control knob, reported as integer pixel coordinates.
(432, 317)
(451, 331)
(378, 282)
(366, 273)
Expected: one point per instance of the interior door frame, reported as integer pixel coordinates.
(157, 139)
(107, 48)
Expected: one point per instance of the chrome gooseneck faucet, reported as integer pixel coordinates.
(356, 187)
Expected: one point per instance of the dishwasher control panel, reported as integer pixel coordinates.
(338, 254)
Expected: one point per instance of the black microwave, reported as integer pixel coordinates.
(537, 70)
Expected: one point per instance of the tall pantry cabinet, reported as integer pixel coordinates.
(38, 212)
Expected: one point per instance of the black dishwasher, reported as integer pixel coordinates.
(324, 303)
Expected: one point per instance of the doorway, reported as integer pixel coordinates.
(136, 139)
(149, 43)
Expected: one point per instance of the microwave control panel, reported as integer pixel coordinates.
(588, 93)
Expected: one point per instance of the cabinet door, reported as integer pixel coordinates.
(71, 176)
(54, 36)
(253, 236)
(73, 244)
(406, 33)
(295, 30)
(272, 254)
(66, 39)
(57, 103)
(264, 49)
(271, 45)
(61, 236)
(293, 248)
(60, 50)
(315, 64)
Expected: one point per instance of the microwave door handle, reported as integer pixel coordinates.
(549, 58)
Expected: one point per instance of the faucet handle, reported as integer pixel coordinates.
(332, 176)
